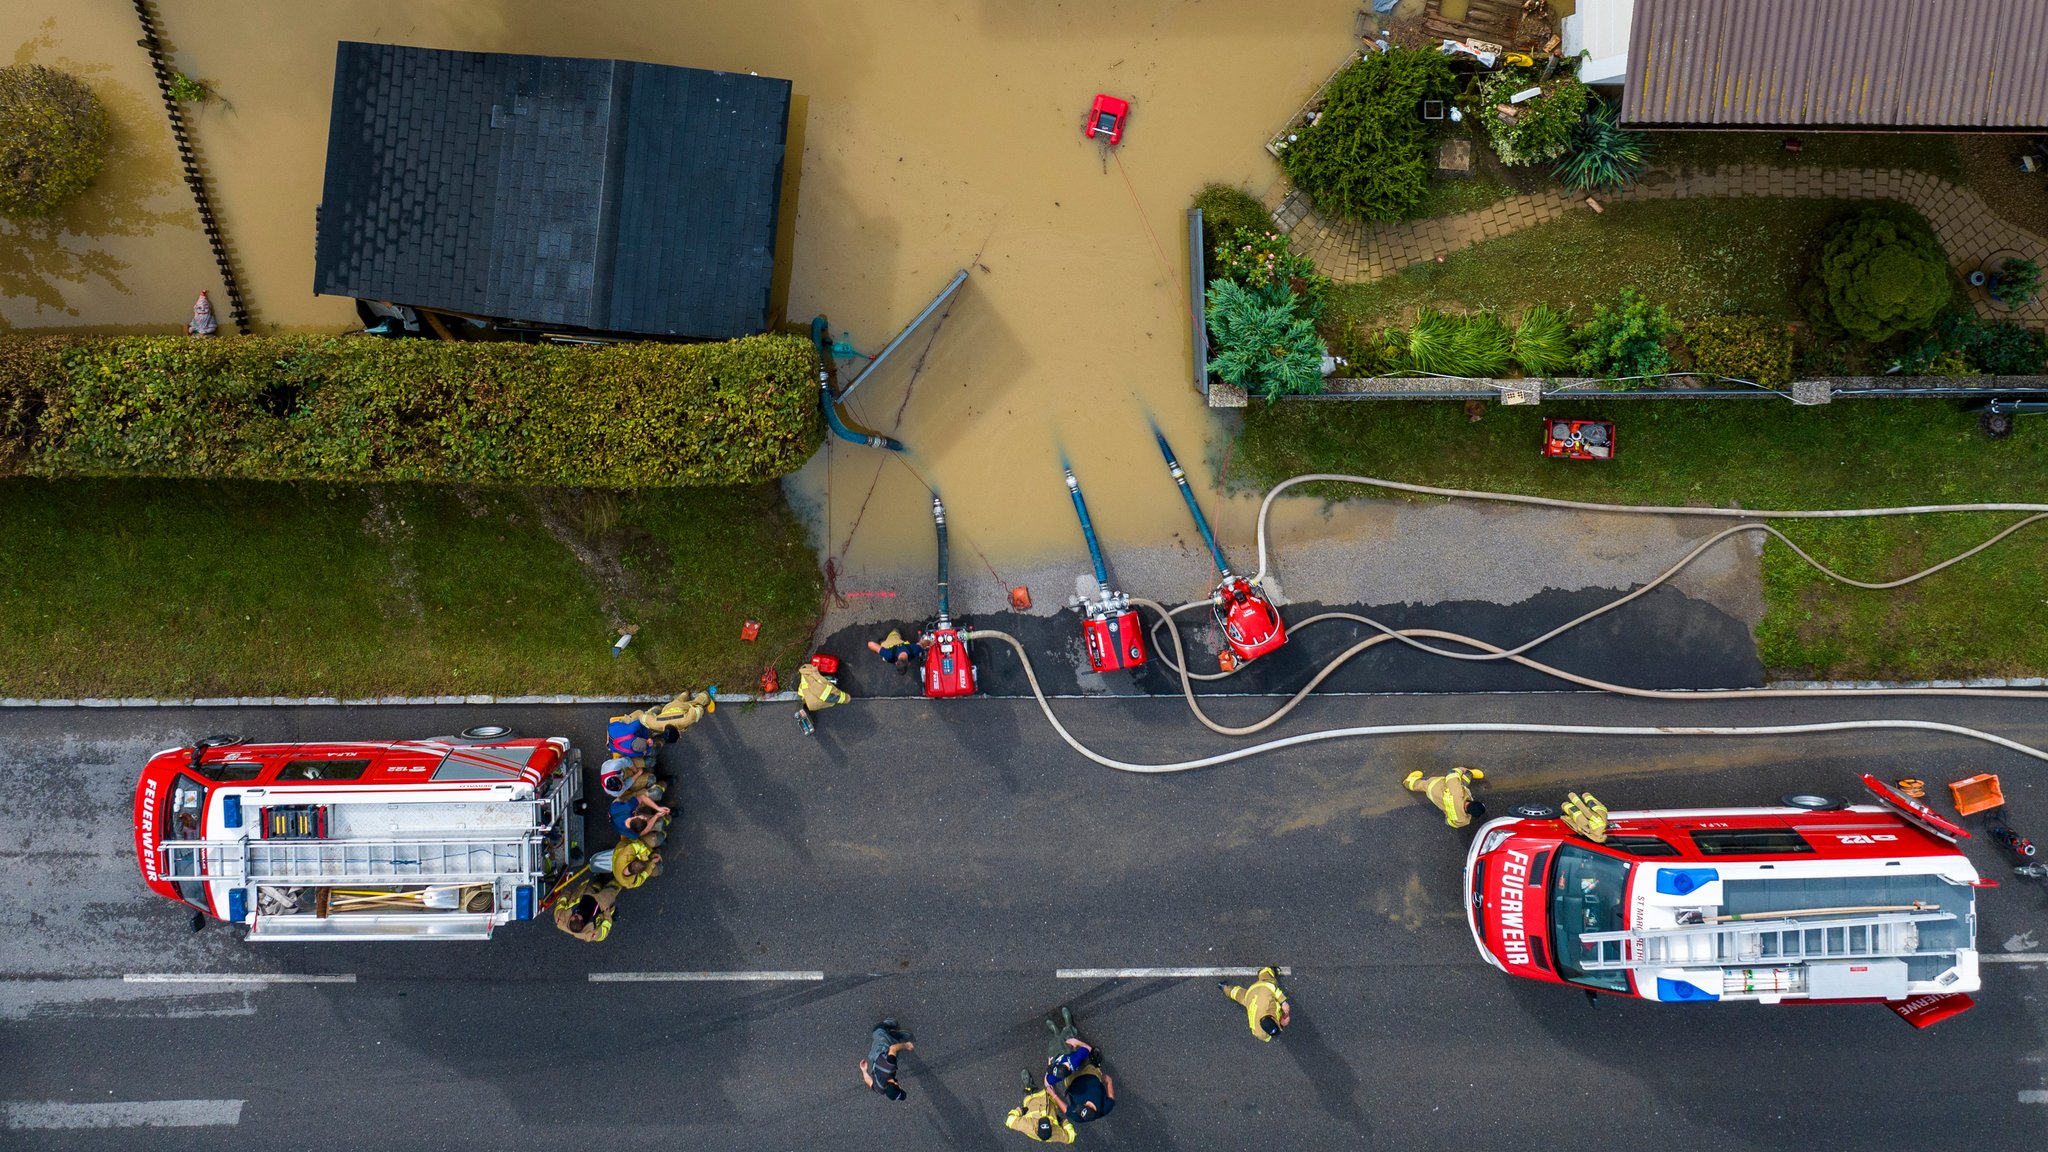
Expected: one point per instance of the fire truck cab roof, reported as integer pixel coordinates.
(1762, 904)
(421, 839)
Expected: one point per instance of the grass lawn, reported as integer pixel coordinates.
(1697, 257)
(1985, 617)
(174, 589)
(1450, 197)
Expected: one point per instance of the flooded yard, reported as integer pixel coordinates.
(935, 137)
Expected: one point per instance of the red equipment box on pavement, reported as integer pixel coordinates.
(1116, 641)
(948, 670)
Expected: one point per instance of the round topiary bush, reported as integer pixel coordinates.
(53, 139)
(1366, 153)
(1881, 273)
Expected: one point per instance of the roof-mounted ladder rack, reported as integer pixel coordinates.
(1759, 942)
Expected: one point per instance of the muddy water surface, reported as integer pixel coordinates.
(936, 136)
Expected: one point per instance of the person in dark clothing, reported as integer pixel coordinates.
(1090, 1094)
(903, 654)
(878, 1071)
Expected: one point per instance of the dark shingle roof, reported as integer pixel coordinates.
(597, 194)
(1957, 64)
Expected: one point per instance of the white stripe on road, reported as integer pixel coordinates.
(236, 978)
(1157, 973)
(2012, 957)
(134, 1114)
(696, 977)
(2033, 1096)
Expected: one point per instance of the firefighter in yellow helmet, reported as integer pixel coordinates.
(634, 862)
(586, 911)
(1265, 1005)
(1450, 792)
(1039, 1117)
(818, 692)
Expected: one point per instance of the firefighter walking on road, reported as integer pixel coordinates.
(1451, 793)
(1265, 1005)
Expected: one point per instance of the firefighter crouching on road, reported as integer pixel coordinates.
(818, 691)
(1039, 1118)
(1265, 1005)
(1451, 793)
(586, 912)
(631, 863)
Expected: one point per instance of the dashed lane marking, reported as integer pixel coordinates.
(2012, 958)
(1157, 973)
(698, 977)
(237, 978)
(130, 1114)
(2033, 1096)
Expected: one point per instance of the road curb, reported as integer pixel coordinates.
(357, 702)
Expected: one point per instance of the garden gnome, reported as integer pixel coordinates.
(203, 323)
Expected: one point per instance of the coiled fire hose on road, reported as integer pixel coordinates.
(1487, 651)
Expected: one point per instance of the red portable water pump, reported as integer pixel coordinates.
(948, 666)
(1109, 625)
(1249, 622)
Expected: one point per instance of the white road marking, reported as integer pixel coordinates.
(1157, 973)
(2012, 958)
(132, 1114)
(236, 978)
(697, 977)
(2033, 1096)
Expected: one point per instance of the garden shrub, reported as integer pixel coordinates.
(365, 409)
(1961, 344)
(1225, 212)
(1261, 342)
(1543, 341)
(1753, 348)
(53, 139)
(1600, 153)
(1626, 340)
(1266, 259)
(1881, 273)
(2017, 282)
(1477, 346)
(1542, 126)
(1367, 154)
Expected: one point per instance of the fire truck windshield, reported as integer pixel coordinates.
(184, 810)
(1588, 892)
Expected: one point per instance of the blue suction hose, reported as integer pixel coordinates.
(939, 518)
(821, 335)
(1087, 527)
(1201, 522)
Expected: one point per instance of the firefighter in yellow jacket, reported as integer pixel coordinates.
(1450, 792)
(678, 714)
(1265, 1005)
(1039, 1118)
(586, 911)
(817, 692)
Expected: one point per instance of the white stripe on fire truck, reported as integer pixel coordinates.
(696, 977)
(131, 1114)
(237, 978)
(1157, 973)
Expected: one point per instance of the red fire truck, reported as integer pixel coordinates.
(1815, 900)
(438, 839)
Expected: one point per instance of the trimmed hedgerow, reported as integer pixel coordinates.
(355, 408)
(1753, 348)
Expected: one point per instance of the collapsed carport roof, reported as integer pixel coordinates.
(1951, 65)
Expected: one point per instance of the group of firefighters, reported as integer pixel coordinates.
(585, 903)
(1075, 1087)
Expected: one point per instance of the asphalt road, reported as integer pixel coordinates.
(941, 864)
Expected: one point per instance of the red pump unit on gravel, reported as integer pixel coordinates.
(948, 667)
(1249, 622)
(1109, 625)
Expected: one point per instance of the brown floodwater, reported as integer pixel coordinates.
(936, 136)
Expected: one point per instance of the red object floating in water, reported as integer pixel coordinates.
(1106, 119)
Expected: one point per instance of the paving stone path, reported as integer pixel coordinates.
(1969, 230)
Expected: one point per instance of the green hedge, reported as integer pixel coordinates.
(359, 408)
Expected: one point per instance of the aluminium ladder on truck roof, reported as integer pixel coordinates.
(1760, 942)
(324, 863)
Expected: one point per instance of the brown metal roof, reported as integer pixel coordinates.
(1928, 64)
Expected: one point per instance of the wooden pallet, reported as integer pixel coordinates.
(1498, 21)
